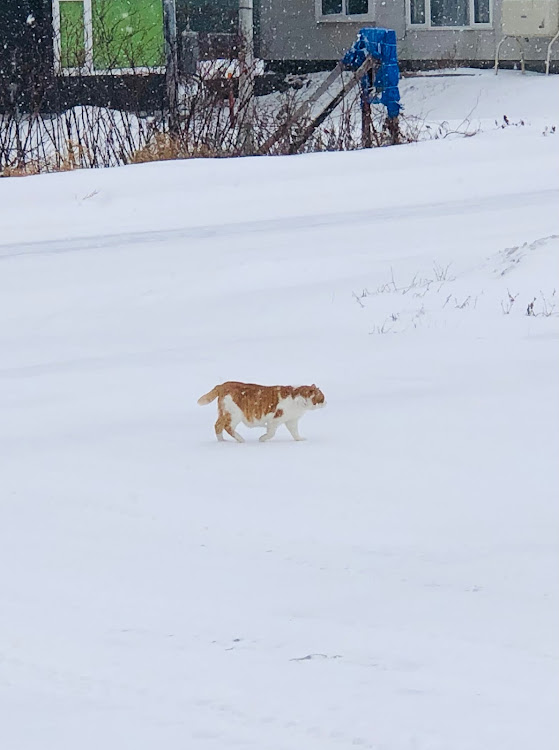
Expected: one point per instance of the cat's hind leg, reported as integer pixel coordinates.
(224, 422)
(234, 434)
(219, 427)
(293, 427)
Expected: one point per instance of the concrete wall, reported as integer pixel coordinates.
(289, 31)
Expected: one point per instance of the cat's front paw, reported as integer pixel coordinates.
(264, 438)
(300, 439)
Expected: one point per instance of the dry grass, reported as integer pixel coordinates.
(25, 170)
(167, 147)
(161, 147)
(72, 156)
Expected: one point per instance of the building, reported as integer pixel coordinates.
(86, 44)
(429, 32)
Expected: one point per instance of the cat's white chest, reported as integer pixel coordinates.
(291, 408)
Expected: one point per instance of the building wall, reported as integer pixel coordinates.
(289, 31)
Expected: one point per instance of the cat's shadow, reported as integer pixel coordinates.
(256, 442)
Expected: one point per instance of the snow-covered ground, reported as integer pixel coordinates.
(389, 584)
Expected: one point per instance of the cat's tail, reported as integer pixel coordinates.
(207, 398)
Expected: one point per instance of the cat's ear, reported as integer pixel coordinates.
(313, 386)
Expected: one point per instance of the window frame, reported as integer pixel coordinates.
(88, 68)
(429, 27)
(343, 17)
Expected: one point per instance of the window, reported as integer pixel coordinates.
(343, 10)
(98, 36)
(436, 14)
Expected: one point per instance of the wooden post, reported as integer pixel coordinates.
(171, 61)
(366, 119)
(393, 127)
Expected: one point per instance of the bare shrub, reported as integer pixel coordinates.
(208, 118)
(506, 306)
(546, 307)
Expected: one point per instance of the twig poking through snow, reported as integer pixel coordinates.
(507, 307)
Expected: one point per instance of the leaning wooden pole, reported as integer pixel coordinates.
(302, 110)
(354, 80)
(305, 107)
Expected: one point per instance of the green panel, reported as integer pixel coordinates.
(127, 34)
(72, 34)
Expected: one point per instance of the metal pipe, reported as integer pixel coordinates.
(246, 74)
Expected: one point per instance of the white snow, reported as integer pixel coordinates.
(391, 583)
(225, 68)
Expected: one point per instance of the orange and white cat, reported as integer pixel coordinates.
(261, 406)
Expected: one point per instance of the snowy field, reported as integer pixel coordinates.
(391, 583)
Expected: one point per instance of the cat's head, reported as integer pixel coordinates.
(313, 396)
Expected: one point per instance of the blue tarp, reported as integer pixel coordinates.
(380, 44)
